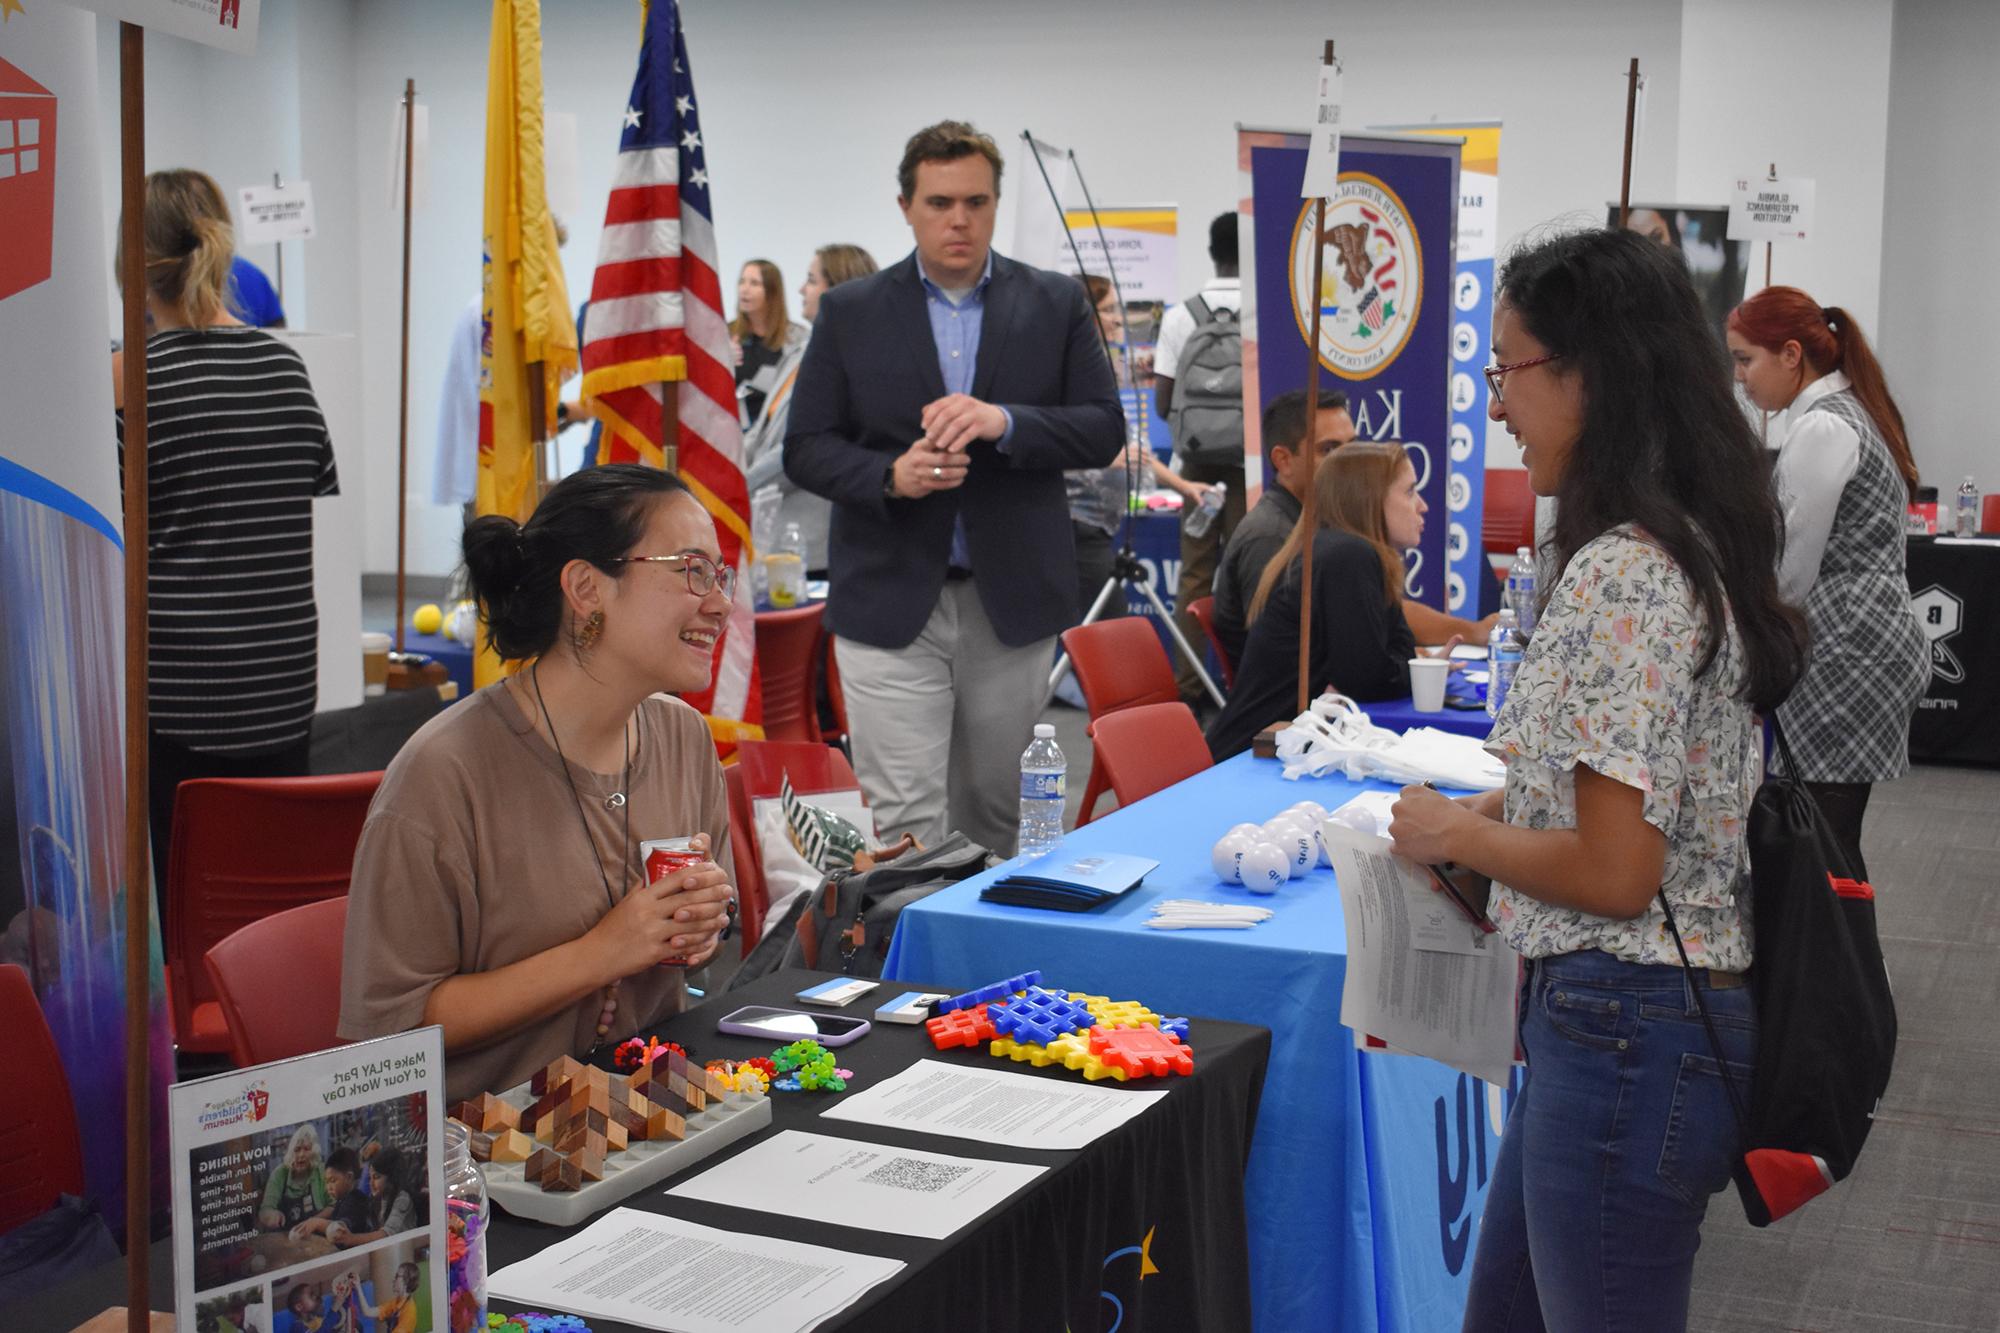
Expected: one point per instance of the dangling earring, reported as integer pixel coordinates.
(588, 633)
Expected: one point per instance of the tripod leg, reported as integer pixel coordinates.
(1180, 641)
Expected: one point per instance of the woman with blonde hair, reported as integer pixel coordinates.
(764, 444)
(764, 333)
(236, 449)
(1368, 512)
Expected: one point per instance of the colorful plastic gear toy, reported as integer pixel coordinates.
(963, 1027)
(999, 990)
(1141, 1051)
(1040, 1016)
(1112, 1013)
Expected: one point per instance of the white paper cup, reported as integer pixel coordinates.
(375, 662)
(1427, 679)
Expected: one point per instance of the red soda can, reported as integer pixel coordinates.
(663, 857)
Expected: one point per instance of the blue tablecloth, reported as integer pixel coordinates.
(1367, 1174)
(457, 658)
(1401, 714)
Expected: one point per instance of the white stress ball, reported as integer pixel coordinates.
(1265, 867)
(1247, 830)
(1296, 841)
(1312, 810)
(1228, 850)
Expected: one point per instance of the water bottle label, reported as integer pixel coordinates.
(1043, 787)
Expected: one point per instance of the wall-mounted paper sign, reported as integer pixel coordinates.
(229, 24)
(314, 1185)
(1323, 146)
(276, 212)
(1766, 210)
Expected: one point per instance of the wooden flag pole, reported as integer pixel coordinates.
(1308, 505)
(138, 843)
(1631, 110)
(403, 384)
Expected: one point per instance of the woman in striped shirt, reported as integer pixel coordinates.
(236, 449)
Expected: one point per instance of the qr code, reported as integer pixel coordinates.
(907, 1173)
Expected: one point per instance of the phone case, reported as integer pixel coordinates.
(729, 1024)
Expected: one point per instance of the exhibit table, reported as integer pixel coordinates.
(1955, 589)
(1368, 1173)
(1159, 1198)
(1401, 714)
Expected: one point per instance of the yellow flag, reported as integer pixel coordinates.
(526, 325)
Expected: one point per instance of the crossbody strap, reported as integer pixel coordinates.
(1714, 1041)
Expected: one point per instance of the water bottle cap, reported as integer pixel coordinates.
(1507, 617)
(1045, 731)
(1523, 553)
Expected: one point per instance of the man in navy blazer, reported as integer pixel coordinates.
(937, 406)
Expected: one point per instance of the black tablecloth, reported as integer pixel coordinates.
(1142, 1230)
(1956, 592)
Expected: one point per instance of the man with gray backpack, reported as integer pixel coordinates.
(1198, 391)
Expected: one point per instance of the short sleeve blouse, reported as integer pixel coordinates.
(1608, 681)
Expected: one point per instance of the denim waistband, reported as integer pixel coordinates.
(1594, 967)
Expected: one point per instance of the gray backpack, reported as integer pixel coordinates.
(1207, 413)
(845, 924)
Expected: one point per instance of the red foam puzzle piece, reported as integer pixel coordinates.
(961, 1027)
(1141, 1051)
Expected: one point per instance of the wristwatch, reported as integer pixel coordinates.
(889, 483)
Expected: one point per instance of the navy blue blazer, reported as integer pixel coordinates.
(870, 369)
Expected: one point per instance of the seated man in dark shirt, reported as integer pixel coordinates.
(1264, 529)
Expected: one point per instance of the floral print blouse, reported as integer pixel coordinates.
(1608, 681)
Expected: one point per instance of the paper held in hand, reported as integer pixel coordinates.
(1421, 977)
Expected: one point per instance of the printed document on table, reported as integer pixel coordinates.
(933, 1097)
(853, 1184)
(660, 1272)
(1420, 976)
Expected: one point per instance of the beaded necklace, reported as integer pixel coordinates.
(610, 1011)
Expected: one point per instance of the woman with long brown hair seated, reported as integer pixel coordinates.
(1368, 512)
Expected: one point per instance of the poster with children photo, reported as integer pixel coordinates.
(386, 1290)
(325, 1164)
(246, 1310)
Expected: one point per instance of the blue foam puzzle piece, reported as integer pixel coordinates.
(997, 992)
(1177, 1026)
(1041, 1016)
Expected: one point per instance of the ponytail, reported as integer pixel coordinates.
(1830, 340)
(1871, 389)
(189, 245)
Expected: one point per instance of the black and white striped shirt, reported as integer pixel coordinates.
(236, 449)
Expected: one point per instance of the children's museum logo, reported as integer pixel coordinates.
(1371, 280)
(245, 1108)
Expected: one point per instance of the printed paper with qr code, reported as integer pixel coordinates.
(849, 1183)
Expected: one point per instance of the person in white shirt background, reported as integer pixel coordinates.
(1844, 477)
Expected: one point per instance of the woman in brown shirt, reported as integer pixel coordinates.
(498, 888)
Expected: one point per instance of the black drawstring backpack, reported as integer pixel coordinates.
(1826, 1022)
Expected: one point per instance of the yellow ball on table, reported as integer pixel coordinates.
(428, 619)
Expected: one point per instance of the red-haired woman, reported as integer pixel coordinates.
(1844, 477)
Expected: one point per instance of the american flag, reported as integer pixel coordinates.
(1371, 311)
(655, 323)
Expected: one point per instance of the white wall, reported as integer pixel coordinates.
(1940, 285)
(1804, 84)
(805, 108)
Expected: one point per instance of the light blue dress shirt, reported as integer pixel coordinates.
(955, 331)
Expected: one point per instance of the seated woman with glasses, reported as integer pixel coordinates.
(498, 888)
(1367, 511)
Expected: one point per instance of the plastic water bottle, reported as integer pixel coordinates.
(1503, 659)
(786, 568)
(1965, 518)
(1203, 518)
(1521, 591)
(1043, 797)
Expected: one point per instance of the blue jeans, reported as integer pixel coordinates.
(1621, 1132)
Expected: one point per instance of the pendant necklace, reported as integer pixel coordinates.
(615, 801)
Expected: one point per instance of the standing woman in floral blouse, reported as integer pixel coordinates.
(1632, 756)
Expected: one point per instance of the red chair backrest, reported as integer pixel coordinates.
(1203, 611)
(812, 768)
(1147, 749)
(41, 1153)
(1120, 664)
(244, 848)
(753, 898)
(1508, 521)
(788, 649)
(278, 980)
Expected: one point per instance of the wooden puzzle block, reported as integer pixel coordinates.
(666, 1124)
(560, 1070)
(590, 1163)
(562, 1175)
(511, 1145)
(712, 1085)
(537, 1163)
(481, 1145)
(615, 1137)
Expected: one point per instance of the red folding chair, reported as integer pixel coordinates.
(753, 899)
(242, 849)
(41, 1153)
(1147, 749)
(1508, 513)
(277, 981)
(1119, 664)
(788, 652)
(1203, 611)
